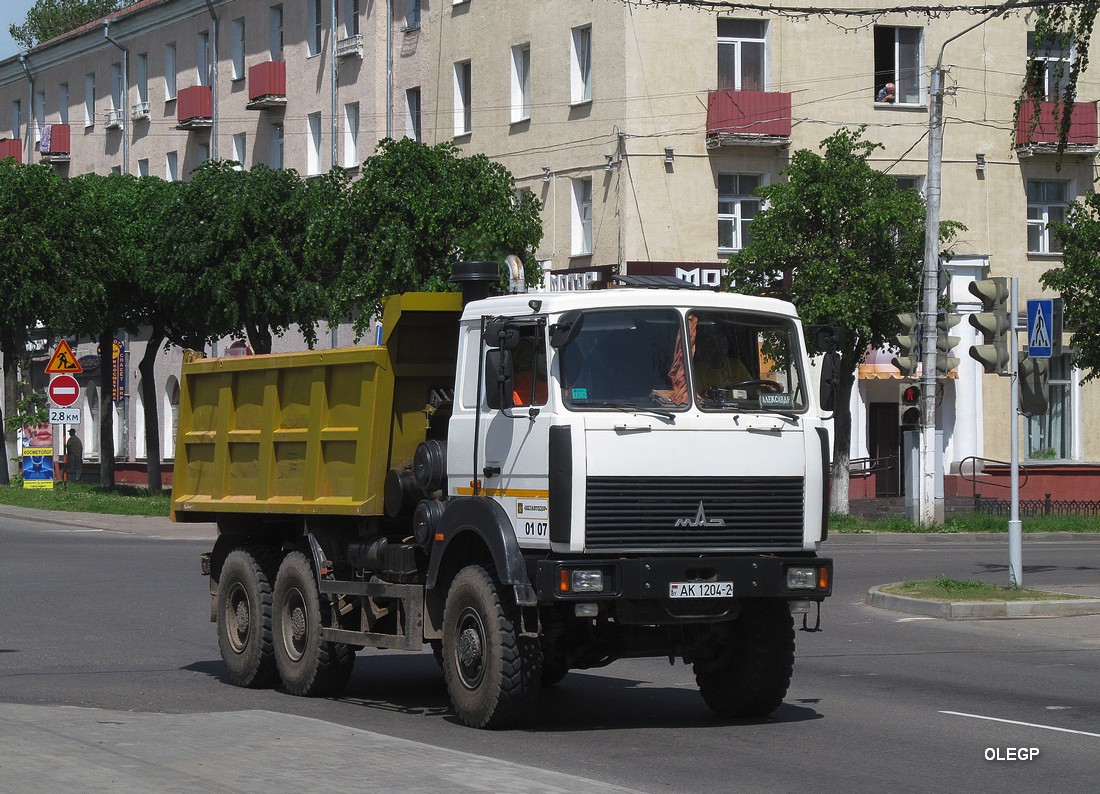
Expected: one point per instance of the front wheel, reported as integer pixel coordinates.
(243, 614)
(751, 673)
(307, 664)
(491, 672)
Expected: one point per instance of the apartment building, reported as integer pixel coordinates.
(643, 128)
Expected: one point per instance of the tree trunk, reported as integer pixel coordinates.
(106, 410)
(259, 337)
(11, 378)
(149, 401)
(842, 438)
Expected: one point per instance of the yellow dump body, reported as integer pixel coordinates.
(313, 432)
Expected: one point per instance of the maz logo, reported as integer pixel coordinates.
(700, 520)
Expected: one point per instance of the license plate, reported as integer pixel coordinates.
(700, 589)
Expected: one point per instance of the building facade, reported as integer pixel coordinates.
(643, 129)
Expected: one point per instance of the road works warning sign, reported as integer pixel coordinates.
(63, 361)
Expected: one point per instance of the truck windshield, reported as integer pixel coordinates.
(660, 360)
(744, 362)
(625, 359)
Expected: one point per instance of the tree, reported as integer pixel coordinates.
(236, 243)
(416, 210)
(1078, 281)
(837, 221)
(30, 255)
(48, 19)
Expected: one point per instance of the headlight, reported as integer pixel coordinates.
(801, 578)
(587, 581)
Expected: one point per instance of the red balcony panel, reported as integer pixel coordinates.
(1082, 126)
(749, 113)
(196, 102)
(55, 139)
(267, 79)
(11, 148)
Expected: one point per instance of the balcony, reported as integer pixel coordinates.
(267, 85)
(748, 118)
(11, 148)
(54, 143)
(112, 119)
(350, 47)
(195, 108)
(1043, 139)
(140, 112)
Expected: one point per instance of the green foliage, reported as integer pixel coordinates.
(1078, 281)
(47, 19)
(416, 210)
(81, 498)
(30, 409)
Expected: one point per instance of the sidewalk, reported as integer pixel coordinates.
(159, 527)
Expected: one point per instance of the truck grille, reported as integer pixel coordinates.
(689, 513)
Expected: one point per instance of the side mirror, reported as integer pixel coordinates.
(499, 383)
(565, 330)
(500, 333)
(830, 366)
(828, 338)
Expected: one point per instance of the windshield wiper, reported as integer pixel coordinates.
(631, 408)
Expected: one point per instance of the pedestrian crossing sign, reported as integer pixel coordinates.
(63, 361)
(1040, 328)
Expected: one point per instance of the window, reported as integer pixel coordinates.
(741, 64)
(580, 71)
(89, 100)
(736, 208)
(240, 150)
(171, 167)
(582, 217)
(169, 72)
(143, 77)
(313, 39)
(1048, 65)
(63, 102)
(1047, 202)
(143, 167)
(898, 61)
(275, 32)
(237, 60)
(351, 17)
(276, 157)
(204, 152)
(412, 113)
(313, 151)
(202, 58)
(463, 97)
(351, 135)
(1050, 436)
(412, 15)
(116, 86)
(521, 82)
(909, 183)
(16, 119)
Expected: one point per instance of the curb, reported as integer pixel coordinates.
(961, 610)
(910, 538)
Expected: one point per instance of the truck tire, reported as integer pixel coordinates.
(243, 614)
(307, 665)
(492, 673)
(751, 675)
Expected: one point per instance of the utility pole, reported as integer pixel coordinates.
(926, 506)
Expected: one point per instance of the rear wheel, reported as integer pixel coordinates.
(243, 614)
(751, 674)
(491, 672)
(307, 664)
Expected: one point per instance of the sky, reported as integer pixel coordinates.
(12, 12)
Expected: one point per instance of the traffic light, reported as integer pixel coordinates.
(908, 358)
(945, 343)
(1034, 385)
(993, 322)
(909, 405)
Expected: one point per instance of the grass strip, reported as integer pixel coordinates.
(944, 588)
(80, 498)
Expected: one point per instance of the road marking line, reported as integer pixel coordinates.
(909, 620)
(1025, 724)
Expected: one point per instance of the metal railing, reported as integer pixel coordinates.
(974, 482)
(352, 46)
(865, 467)
(112, 119)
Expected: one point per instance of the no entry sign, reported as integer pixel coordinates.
(63, 391)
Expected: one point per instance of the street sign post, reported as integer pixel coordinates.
(63, 391)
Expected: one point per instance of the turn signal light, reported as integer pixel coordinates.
(823, 578)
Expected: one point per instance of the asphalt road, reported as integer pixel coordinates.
(114, 619)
